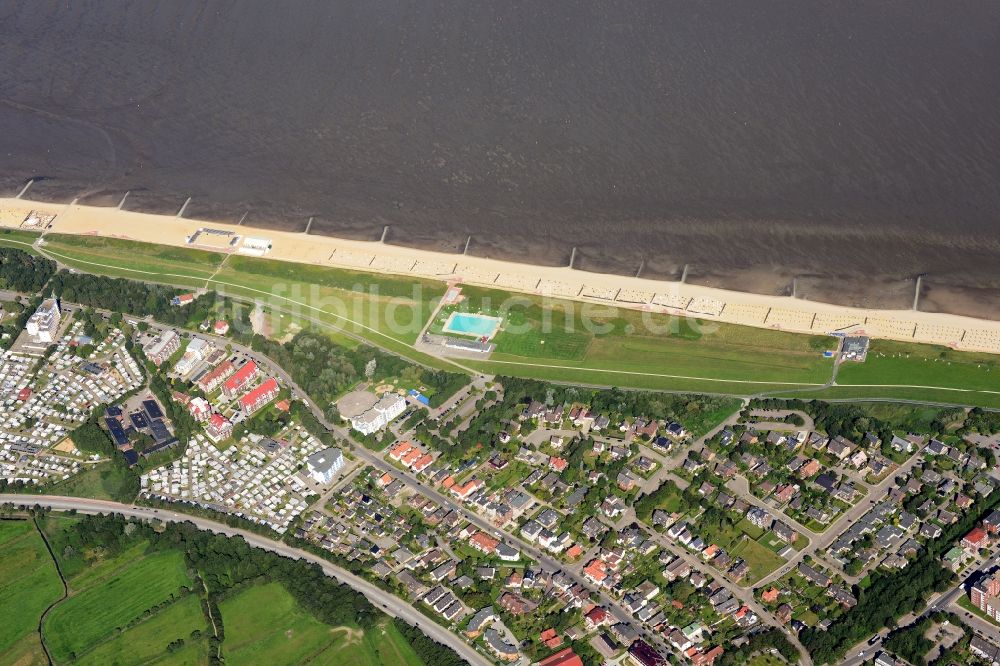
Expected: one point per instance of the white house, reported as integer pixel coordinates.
(324, 464)
(43, 324)
(384, 411)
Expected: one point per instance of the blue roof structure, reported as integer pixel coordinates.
(159, 430)
(117, 432)
(131, 457)
(138, 420)
(152, 409)
(420, 397)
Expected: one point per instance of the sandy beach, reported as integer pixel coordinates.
(763, 311)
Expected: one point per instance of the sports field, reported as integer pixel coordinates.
(28, 584)
(264, 625)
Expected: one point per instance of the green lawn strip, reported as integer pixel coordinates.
(645, 379)
(148, 640)
(17, 237)
(929, 395)
(26, 594)
(85, 618)
(572, 333)
(135, 254)
(891, 362)
(264, 625)
(966, 603)
(380, 317)
(707, 358)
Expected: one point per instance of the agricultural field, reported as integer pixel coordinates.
(144, 643)
(264, 625)
(29, 583)
(94, 614)
(133, 607)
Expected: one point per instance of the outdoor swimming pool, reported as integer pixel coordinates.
(465, 323)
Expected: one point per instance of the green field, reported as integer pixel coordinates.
(132, 259)
(100, 481)
(264, 625)
(921, 372)
(91, 614)
(569, 334)
(29, 583)
(145, 643)
(16, 237)
(891, 393)
(551, 339)
(761, 559)
(125, 608)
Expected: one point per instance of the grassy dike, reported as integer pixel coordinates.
(550, 338)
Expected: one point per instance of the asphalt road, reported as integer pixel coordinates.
(386, 602)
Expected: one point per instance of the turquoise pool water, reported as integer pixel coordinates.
(471, 324)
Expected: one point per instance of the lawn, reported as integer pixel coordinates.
(965, 603)
(100, 481)
(772, 543)
(929, 395)
(88, 616)
(395, 306)
(761, 559)
(126, 254)
(265, 625)
(920, 372)
(388, 310)
(17, 238)
(29, 583)
(146, 643)
(551, 339)
(578, 335)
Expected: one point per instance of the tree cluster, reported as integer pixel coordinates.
(22, 271)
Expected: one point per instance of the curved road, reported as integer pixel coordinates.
(384, 601)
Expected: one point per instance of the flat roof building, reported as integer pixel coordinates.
(322, 465)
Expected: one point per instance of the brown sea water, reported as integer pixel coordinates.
(850, 145)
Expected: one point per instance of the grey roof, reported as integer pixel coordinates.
(325, 460)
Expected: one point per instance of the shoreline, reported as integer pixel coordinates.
(784, 313)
